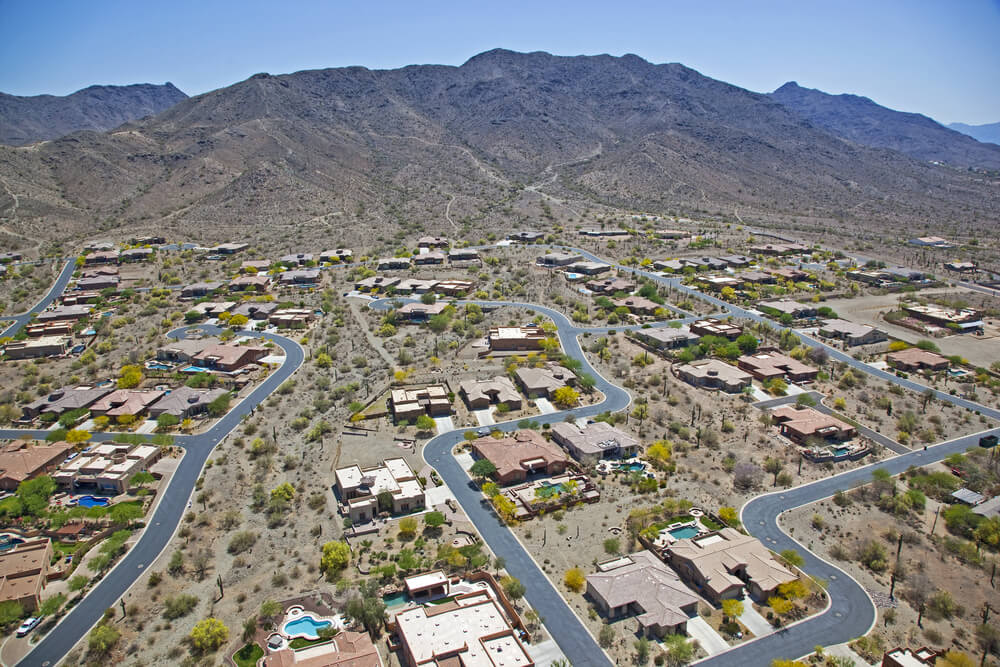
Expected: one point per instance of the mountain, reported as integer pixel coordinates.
(24, 120)
(862, 121)
(989, 133)
(358, 155)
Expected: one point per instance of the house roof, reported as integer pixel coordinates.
(717, 555)
(916, 356)
(548, 378)
(667, 334)
(185, 398)
(845, 328)
(807, 421)
(509, 452)
(647, 582)
(19, 462)
(592, 438)
(774, 364)
(497, 390)
(127, 401)
(226, 355)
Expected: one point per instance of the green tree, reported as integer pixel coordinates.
(335, 557)
(130, 376)
(513, 587)
(10, 611)
(178, 606)
(574, 579)
(679, 650)
(792, 557)
(141, 479)
(220, 405)
(123, 514)
(425, 423)
(209, 634)
(51, 605)
(483, 468)
(434, 519)
(732, 608)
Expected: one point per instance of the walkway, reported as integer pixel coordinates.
(707, 637)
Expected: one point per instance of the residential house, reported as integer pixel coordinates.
(905, 657)
(184, 350)
(108, 467)
(99, 246)
(781, 307)
(98, 282)
(255, 266)
(229, 358)
(299, 277)
(376, 283)
(667, 338)
(852, 334)
(876, 278)
(411, 403)
(125, 403)
(64, 400)
(595, 441)
(8, 257)
(463, 255)
(593, 231)
(419, 312)
(185, 402)
(554, 259)
(415, 286)
(454, 287)
(960, 267)
(212, 308)
(432, 242)
(250, 283)
(637, 305)
(641, 585)
(46, 346)
(543, 382)
(337, 255)
(965, 319)
(519, 339)
(737, 261)
(49, 329)
(103, 257)
(359, 489)
(148, 240)
(291, 318)
(717, 283)
(255, 310)
(915, 359)
(671, 234)
(588, 268)
(135, 255)
(198, 290)
(392, 264)
(21, 461)
(24, 571)
(470, 630)
(230, 248)
(348, 649)
(715, 327)
(526, 237)
(61, 313)
(670, 265)
(794, 275)
(481, 394)
(427, 258)
(722, 562)
(611, 286)
(518, 454)
(296, 259)
(931, 242)
(757, 277)
(801, 423)
(714, 374)
(769, 363)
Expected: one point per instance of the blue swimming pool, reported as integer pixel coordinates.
(8, 542)
(395, 600)
(192, 369)
(841, 451)
(306, 626)
(684, 532)
(630, 467)
(91, 501)
(156, 366)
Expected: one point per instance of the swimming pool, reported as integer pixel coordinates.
(684, 532)
(8, 542)
(395, 600)
(630, 467)
(156, 366)
(841, 451)
(193, 369)
(305, 626)
(547, 490)
(91, 501)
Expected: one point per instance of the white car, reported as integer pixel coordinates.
(28, 625)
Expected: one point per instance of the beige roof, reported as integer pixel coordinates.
(647, 582)
(806, 421)
(126, 401)
(472, 626)
(548, 379)
(774, 364)
(225, 355)
(496, 390)
(348, 649)
(23, 570)
(593, 438)
(845, 328)
(717, 555)
(19, 462)
(915, 356)
(715, 368)
(509, 452)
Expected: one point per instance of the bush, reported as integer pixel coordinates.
(242, 541)
(179, 605)
(574, 579)
(209, 634)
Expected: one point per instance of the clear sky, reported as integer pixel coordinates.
(935, 57)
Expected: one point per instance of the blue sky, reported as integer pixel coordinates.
(937, 58)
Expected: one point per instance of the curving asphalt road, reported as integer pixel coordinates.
(57, 288)
(165, 518)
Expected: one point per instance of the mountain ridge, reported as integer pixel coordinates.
(402, 147)
(985, 133)
(861, 120)
(28, 119)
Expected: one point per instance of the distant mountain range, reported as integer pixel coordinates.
(25, 120)
(389, 149)
(862, 121)
(987, 133)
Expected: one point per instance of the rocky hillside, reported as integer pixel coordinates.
(379, 152)
(862, 121)
(24, 120)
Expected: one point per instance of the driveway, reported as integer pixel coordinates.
(485, 416)
(709, 639)
(545, 406)
(756, 623)
(444, 424)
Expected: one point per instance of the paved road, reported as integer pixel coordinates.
(57, 288)
(164, 521)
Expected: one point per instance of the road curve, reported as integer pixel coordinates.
(165, 518)
(57, 288)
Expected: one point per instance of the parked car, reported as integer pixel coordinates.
(28, 625)
(483, 432)
(989, 441)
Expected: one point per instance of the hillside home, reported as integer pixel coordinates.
(185, 402)
(409, 404)
(801, 423)
(515, 339)
(21, 461)
(852, 334)
(543, 382)
(518, 454)
(714, 374)
(667, 338)
(359, 488)
(24, 571)
(593, 442)
(715, 327)
(481, 394)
